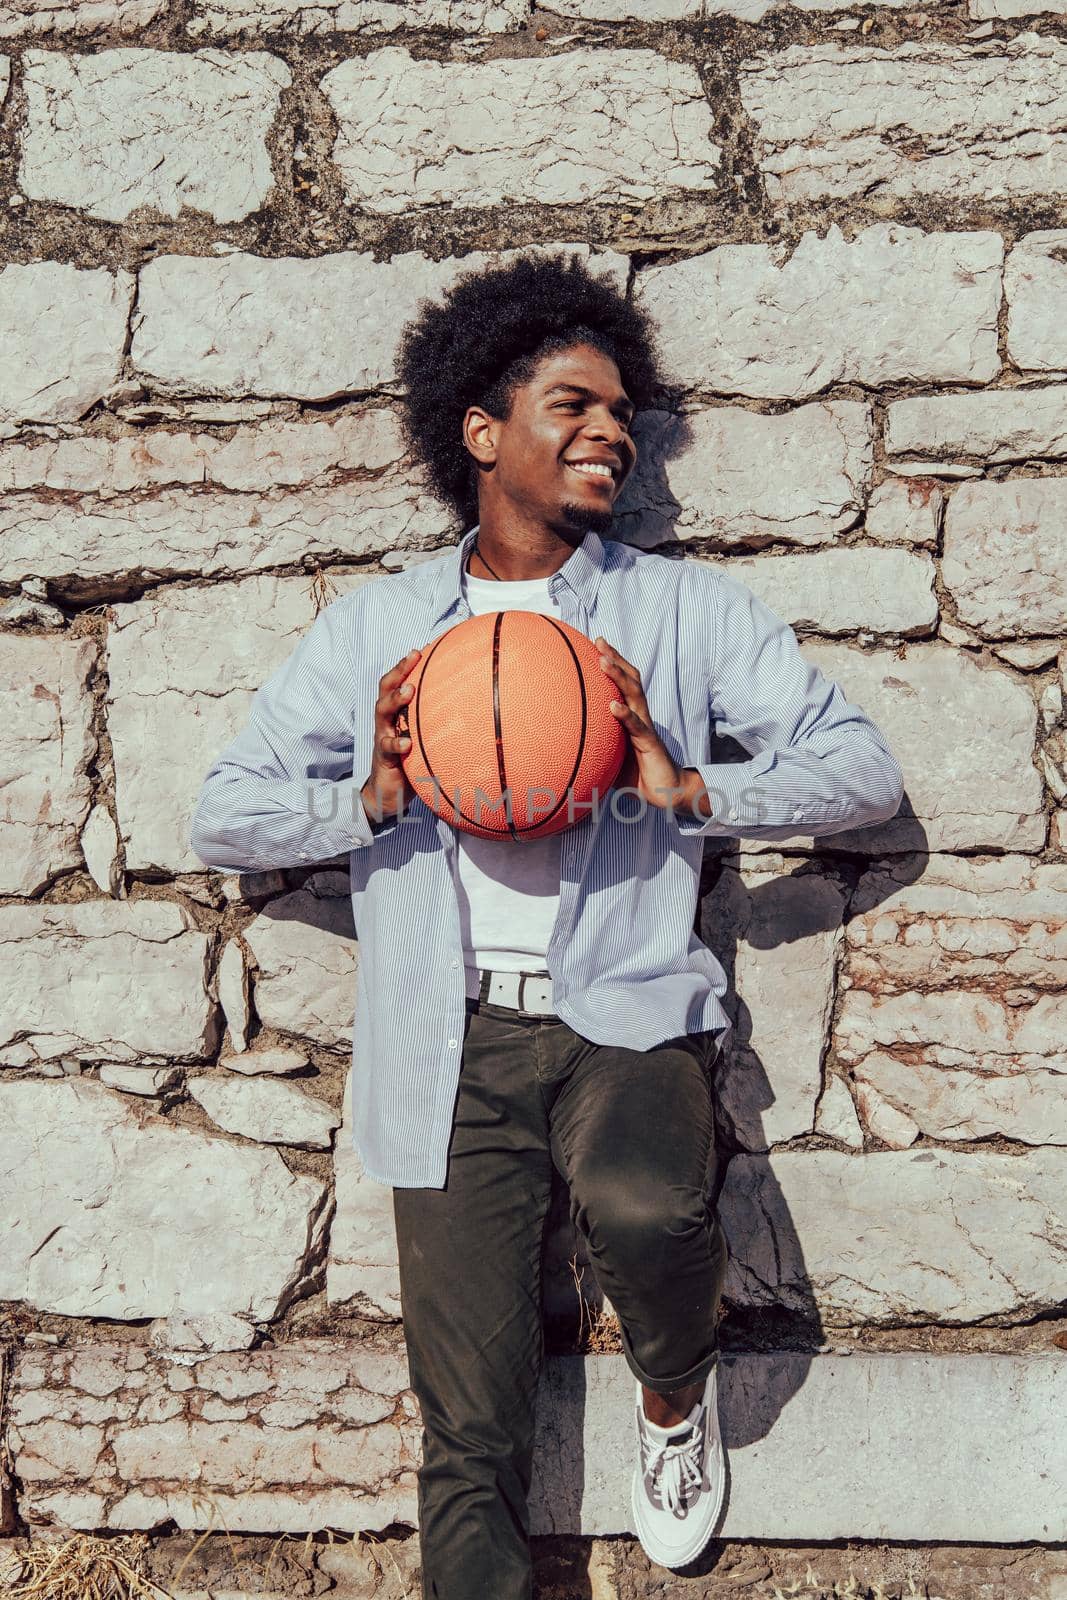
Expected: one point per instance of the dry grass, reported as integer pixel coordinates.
(813, 1588)
(87, 1567)
(82, 1567)
(596, 1329)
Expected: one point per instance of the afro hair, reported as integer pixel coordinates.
(487, 336)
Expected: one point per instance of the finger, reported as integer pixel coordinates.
(610, 651)
(392, 733)
(617, 668)
(627, 716)
(617, 673)
(390, 703)
(631, 695)
(403, 666)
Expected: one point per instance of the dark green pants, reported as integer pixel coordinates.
(632, 1132)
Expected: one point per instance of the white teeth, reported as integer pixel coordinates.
(593, 467)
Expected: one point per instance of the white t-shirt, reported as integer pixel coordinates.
(508, 888)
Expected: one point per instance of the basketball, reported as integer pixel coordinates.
(511, 735)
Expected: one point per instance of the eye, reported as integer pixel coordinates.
(624, 419)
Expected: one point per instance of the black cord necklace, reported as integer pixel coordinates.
(481, 558)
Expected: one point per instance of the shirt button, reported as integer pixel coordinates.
(452, 1043)
(303, 855)
(797, 815)
(733, 815)
(455, 963)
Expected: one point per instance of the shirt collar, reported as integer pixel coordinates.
(581, 572)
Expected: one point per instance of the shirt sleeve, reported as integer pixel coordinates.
(283, 793)
(818, 764)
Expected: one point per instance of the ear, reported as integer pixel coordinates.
(480, 435)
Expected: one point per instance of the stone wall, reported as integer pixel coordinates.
(215, 216)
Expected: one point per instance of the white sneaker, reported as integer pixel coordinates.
(679, 1481)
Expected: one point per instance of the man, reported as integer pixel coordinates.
(521, 1005)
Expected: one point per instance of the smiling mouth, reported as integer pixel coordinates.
(591, 476)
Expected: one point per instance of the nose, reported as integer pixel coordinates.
(602, 425)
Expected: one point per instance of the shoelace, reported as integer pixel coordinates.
(677, 1465)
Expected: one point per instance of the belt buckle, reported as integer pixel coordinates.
(522, 988)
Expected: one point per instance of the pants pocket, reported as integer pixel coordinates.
(705, 1045)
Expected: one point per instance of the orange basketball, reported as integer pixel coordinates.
(511, 736)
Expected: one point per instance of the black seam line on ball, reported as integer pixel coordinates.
(498, 731)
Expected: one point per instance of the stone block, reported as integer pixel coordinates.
(62, 331)
(905, 511)
(898, 1237)
(823, 457)
(265, 1110)
(964, 736)
(1035, 287)
(120, 130)
(634, 125)
(115, 1212)
(103, 981)
(979, 123)
(829, 1447)
(1005, 558)
(46, 746)
(227, 18)
(845, 590)
(309, 930)
(892, 304)
(184, 666)
(994, 425)
(836, 1116)
(777, 934)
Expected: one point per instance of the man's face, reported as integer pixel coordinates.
(565, 451)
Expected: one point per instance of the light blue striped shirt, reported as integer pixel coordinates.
(626, 966)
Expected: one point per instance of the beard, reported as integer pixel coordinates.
(599, 521)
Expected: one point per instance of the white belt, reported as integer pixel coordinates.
(522, 991)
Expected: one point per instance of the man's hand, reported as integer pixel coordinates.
(387, 791)
(648, 768)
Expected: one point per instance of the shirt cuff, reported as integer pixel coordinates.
(743, 802)
(736, 802)
(366, 826)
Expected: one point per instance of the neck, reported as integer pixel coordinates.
(518, 558)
